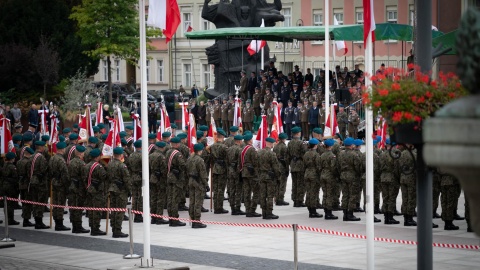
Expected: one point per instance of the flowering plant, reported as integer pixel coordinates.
(410, 97)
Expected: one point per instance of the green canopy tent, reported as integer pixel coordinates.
(447, 41)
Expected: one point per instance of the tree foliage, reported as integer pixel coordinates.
(78, 91)
(47, 63)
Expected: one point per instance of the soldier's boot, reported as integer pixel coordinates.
(233, 211)
(281, 203)
(204, 210)
(329, 215)
(161, 221)
(78, 228)
(198, 225)
(449, 226)
(301, 204)
(351, 217)
(270, 215)
(253, 214)
(153, 220)
(408, 221)
(469, 227)
(97, 232)
(390, 220)
(27, 223)
(239, 212)
(312, 213)
(434, 225)
(358, 209)
(376, 220)
(59, 225)
(220, 211)
(138, 218)
(176, 223)
(396, 213)
(264, 214)
(182, 207)
(119, 234)
(11, 220)
(39, 225)
(295, 204)
(458, 217)
(436, 215)
(344, 215)
(377, 209)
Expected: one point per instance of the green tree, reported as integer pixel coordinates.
(111, 27)
(47, 63)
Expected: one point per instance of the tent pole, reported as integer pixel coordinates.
(353, 59)
(403, 66)
(228, 65)
(242, 56)
(284, 60)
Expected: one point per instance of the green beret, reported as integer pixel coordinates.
(95, 153)
(75, 125)
(270, 140)
(296, 130)
(152, 136)
(199, 134)
(166, 134)
(247, 137)
(27, 137)
(221, 132)
(238, 137)
(123, 141)
(96, 129)
(10, 155)
(339, 136)
(73, 137)
(30, 150)
(104, 136)
(247, 132)
(40, 143)
(137, 144)
(93, 139)
(161, 144)
(67, 130)
(233, 128)
(283, 136)
(17, 137)
(101, 126)
(317, 130)
(182, 136)
(45, 138)
(203, 128)
(61, 145)
(122, 134)
(80, 148)
(175, 140)
(129, 127)
(118, 150)
(61, 138)
(198, 147)
(173, 126)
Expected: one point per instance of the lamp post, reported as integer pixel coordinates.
(301, 23)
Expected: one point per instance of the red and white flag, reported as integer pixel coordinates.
(6, 136)
(43, 121)
(165, 15)
(212, 132)
(99, 113)
(237, 113)
(113, 139)
(53, 134)
(331, 126)
(256, 45)
(340, 44)
(119, 118)
(185, 119)
(277, 126)
(86, 129)
(262, 134)
(382, 132)
(164, 123)
(368, 21)
(137, 127)
(192, 133)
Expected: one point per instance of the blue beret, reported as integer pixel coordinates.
(387, 141)
(221, 132)
(296, 130)
(198, 147)
(95, 153)
(161, 144)
(75, 125)
(173, 126)
(247, 137)
(61, 145)
(203, 128)
(313, 141)
(96, 129)
(283, 136)
(61, 138)
(80, 148)
(17, 137)
(122, 134)
(238, 137)
(348, 141)
(329, 142)
(182, 136)
(317, 130)
(199, 134)
(270, 140)
(40, 143)
(104, 136)
(375, 142)
(30, 150)
(129, 127)
(166, 134)
(10, 155)
(341, 106)
(358, 142)
(45, 138)
(118, 150)
(67, 130)
(93, 139)
(101, 126)
(73, 136)
(379, 138)
(233, 128)
(175, 140)
(123, 141)
(152, 136)
(27, 137)
(137, 144)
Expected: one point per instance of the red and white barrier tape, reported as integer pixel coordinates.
(257, 225)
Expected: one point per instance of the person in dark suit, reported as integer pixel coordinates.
(309, 76)
(33, 115)
(289, 118)
(243, 86)
(295, 95)
(313, 116)
(285, 92)
(202, 114)
(252, 83)
(194, 110)
(276, 86)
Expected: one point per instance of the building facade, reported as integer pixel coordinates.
(183, 62)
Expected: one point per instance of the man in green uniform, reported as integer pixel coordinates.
(58, 170)
(234, 181)
(92, 144)
(10, 185)
(329, 176)
(134, 165)
(218, 153)
(230, 140)
(342, 120)
(313, 167)
(23, 177)
(348, 161)
(269, 171)
(248, 167)
(175, 170)
(70, 150)
(202, 138)
(296, 150)
(197, 184)
(450, 187)
(38, 189)
(183, 194)
(97, 184)
(408, 181)
(158, 183)
(77, 190)
(280, 150)
(389, 179)
(247, 116)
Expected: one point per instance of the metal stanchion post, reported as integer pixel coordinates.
(5, 209)
(130, 231)
(295, 247)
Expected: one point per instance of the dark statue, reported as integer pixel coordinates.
(226, 55)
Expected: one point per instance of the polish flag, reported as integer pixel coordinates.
(331, 126)
(99, 113)
(119, 118)
(53, 134)
(237, 113)
(113, 139)
(164, 14)
(383, 134)
(277, 126)
(185, 119)
(164, 123)
(340, 44)
(192, 133)
(368, 21)
(137, 127)
(262, 134)
(6, 136)
(43, 119)
(212, 132)
(86, 129)
(256, 45)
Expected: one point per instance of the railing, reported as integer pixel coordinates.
(360, 109)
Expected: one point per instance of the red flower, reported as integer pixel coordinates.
(383, 92)
(421, 100)
(425, 78)
(451, 95)
(429, 94)
(374, 78)
(380, 77)
(395, 86)
(434, 84)
(365, 96)
(407, 115)
(377, 104)
(458, 85)
(397, 116)
(417, 118)
(414, 99)
(410, 66)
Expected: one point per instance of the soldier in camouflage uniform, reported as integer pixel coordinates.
(313, 167)
(280, 150)
(92, 143)
(230, 140)
(317, 133)
(120, 186)
(389, 179)
(185, 150)
(450, 187)
(38, 189)
(235, 183)
(268, 172)
(23, 177)
(377, 184)
(361, 176)
(175, 169)
(58, 173)
(218, 153)
(248, 167)
(158, 183)
(69, 151)
(328, 177)
(77, 189)
(348, 162)
(10, 185)
(202, 138)
(296, 150)
(436, 192)
(134, 165)
(197, 184)
(97, 184)
(408, 181)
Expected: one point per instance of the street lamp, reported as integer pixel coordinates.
(301, 23)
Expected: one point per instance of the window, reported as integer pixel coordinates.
(391, 14)
(204, 24)
(117, 70)
(359, 15)
(287, 13)
(187, 78)
(187, 21)
(105, 70)
(206, 74)
(411, 14)
(148, 70)
(338, 14)
(160, 71)
(317, 17)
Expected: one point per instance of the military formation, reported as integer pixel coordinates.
(75, 174)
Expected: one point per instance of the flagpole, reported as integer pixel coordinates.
(144, 110)
(334, 52)
(326, 45)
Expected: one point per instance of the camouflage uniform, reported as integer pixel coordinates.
(408, 182)
(235, 183)
(296, 150)
(97, 185)
(23, 186)
(338, 187)
(219, 156)
(348, 161)
(249, 171)
(281, 151)
(377, 184)
(134, 165)
(268, 172)
(450, 188)
(184, 183)
(9, 187)
(119, 188)
(158, 183)
(77, 190)
(329, 176)
(198, 180)
(58, 170)
(389, 180)
(206, 155)
(176, 171)
(313, 167)
(38, 189)
(436, 190)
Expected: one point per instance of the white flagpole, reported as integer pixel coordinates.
(369, 154)
(144, 110)
(326, 45)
